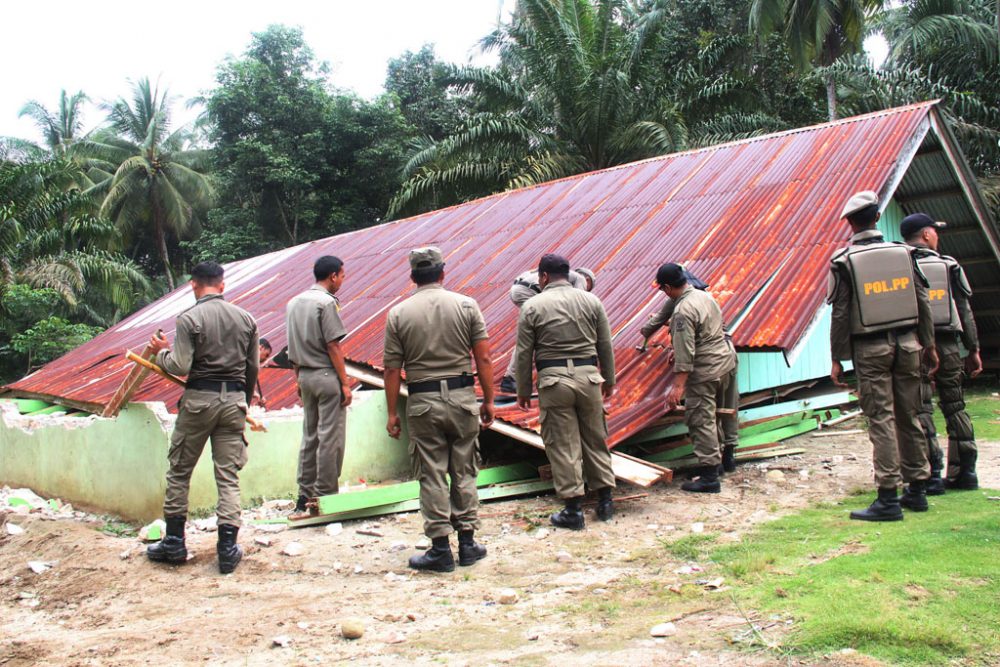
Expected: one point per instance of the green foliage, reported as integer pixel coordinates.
(49, 339)
(689, 547)
(419, 84)
(924, 591)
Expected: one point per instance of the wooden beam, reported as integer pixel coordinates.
(136, 375)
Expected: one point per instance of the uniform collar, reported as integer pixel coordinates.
(557, 283)
(210, 296)
(687, 290)
(867, 236)
(429, 286)
(324, 290)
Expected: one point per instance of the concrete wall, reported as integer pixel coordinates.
(119, 465)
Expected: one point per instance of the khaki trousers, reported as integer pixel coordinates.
(700, 401)
(729, 425)
(321, 454)
(573, 429)
(951, 395)
(221, 416)
(888, 372)
(444, 441)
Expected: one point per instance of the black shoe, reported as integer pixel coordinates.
(508, 385)
(707, 482)
(935, 486)
(300, 504)
(729, 458)
(570, 516)
(469, 551)
(230, 553)
(171, 549)
(605, 505)
(914, 497)
(885, 508)
(966, 480)
(436, 559)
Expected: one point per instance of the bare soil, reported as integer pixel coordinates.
(103, 603)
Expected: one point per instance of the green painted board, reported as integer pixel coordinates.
(397, 493)
(26, 405)
(776, 423)
(670, 431)
(788, 407)
(52, 409)
(781, 433)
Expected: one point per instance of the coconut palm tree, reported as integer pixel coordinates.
(160, 186)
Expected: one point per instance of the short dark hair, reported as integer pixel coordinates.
(427, 275)
(554, 265)
(326, 265)
(208, 273)
(265, 343)
(866, 217)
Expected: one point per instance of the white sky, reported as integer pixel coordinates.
(48, 45)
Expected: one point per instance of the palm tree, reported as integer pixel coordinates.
(160, 185)
(575, 91)
(818, 32)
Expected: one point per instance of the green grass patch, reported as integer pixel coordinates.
(983, 409)
(117, 528)
(922, 591)
(689, 547)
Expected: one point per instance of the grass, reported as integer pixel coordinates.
(690, 547)
(117, 528)
(923, 591)
(983, 409)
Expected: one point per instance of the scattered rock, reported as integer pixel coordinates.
(804, 474)
(392, 577)
(270, 527)
(564, 557)
(153, 532)
(281, 641)
(506, 596)
(209, 525)
(398, 546)
(352, 628)
(675, 588)
(14, 529)
(540, 534)
(39, 566)
(663, 630)
(263, 540)
(293, 549)
(698, 527)
(359, 568)
(652, 527)
(302, 625)
(371, 532)
(279, 504)
(411, 618)
(688, 569)
(600, 591)
(334, 529)
(532, 636)
(394, 638)
(775, 476)
(714, 584)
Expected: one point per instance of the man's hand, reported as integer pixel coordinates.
(486, 413)
(394, 426)
(345, 398)
(670, 356)
(524, 402)
(607, 391)
(158, 342)
(837, 373)
(674, 396)
(932, 361)
(973, 364)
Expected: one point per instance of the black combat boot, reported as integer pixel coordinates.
(229, 552)
(171, 548)
(469, 551)
(436, 559)
(707, 482)
(914, 497)
(570, 516)
(300, 505)
(885, 508)
(729, 458)
(966, 480)
(605, 505)
(935, 485)
(508, 385)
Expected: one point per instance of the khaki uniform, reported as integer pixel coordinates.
(729, 425)
(565, 324)
(312, 320)
(949, 377)
(887, 366)
(215, 343)
(430, 336)
(702, 349)
(526, 286)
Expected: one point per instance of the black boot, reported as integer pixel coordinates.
(605, 505)
(570, 516)
(229, 552)
(469, 551)
(707, 482)
(885, 508)
(966, 480)
(171, 548)
(935, 485)
(729, 458)
(300, 504)
(508, 385)
(436, 559)
(914, 497)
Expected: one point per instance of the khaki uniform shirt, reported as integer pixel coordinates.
(658, 319)
(842, 300)
(312, 319)
(431, 334)
(969, 333)
(215, 340)
(698, 337)
(563, 323)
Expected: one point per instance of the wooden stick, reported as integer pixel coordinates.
(128, 387)
(132, 356)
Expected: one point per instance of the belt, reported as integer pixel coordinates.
(216, 385)
(455, 382)
(534, 287)
(901, 331)
(552, 363)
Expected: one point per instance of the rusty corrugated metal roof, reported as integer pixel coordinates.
(739, 215)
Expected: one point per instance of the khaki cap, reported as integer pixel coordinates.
(425, 258)
(587, 273)
(859, 201)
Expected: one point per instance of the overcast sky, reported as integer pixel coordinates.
(48, 45)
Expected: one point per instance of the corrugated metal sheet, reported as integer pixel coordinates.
(737, 214)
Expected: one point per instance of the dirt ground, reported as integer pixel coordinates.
(583, 598)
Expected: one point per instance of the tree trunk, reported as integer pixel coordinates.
(831, 97)
(161, 242)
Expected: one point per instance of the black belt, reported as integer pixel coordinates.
(534, 287)
(552, 363)
(216, 385)
(901, 331)
(455, 382)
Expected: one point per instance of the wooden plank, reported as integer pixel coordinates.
(781, 434)
(812, 403)
(841, 419)
(763, 453)
(126, 390)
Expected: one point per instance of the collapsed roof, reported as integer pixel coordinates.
(758, 219)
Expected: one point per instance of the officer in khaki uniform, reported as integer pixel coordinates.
(949, 293)
(431, 335)
(215, 346)
(564, 332)
(704, 368)
(312, 320)
(728, 423)
(526, 286)
(881, 320)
